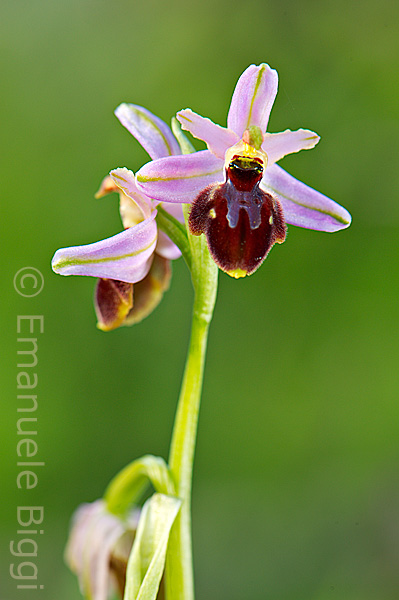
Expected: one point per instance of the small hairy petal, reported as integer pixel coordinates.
(150, 131)
(303, 206)
(126, 256)
(179, 178)
(218, 139)
(277, 145)
(253, 99)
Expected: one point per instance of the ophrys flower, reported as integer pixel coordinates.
(241, 197)
(140, 254)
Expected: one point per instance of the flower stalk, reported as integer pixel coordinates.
(179, 565)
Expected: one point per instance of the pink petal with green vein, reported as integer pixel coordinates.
(277, 145)
(153, 134)
(126, 256)
(303, 206)
(253, 99)
(217, 138)
(180, 178)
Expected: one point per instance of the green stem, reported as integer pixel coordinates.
(179, 571)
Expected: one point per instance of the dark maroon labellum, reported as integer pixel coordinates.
(113, 301)
(119, 303)
(241, 222)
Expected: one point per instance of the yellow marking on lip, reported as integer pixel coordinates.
(237, 273)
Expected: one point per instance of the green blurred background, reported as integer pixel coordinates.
(296, 487)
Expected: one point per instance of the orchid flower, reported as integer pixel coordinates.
(133, 266)
(98, 549)
(241, 198)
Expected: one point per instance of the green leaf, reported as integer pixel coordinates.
(130, 483)
(147, 559)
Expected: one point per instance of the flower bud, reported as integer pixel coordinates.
(98, 549)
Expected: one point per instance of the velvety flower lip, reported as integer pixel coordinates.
(182, 178)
